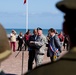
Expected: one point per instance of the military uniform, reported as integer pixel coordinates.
(64, 66)
(40, 52)
(67, 64)
(5, 49)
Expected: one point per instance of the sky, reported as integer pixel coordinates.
(41, 13)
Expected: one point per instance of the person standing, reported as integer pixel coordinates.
(61, 37)
(66, 43)
(31, 50)
(47, 45)
(40, 45)
(54, 45)
(67, 64)
(20, 41)
(13, 40)
(26, 38)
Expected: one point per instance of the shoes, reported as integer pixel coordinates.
(17, 50)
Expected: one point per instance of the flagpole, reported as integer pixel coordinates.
(26, 15)
(25, 1)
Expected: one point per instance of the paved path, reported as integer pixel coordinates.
(13, 64)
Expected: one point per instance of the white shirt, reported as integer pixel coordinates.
(13, 37)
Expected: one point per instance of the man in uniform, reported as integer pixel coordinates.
(67, 64)
(40, 44)
(5, 49)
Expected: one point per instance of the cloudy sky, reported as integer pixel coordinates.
(42, 13)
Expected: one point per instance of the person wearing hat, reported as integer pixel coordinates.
(40, 44)
(5, 50)
(67, 64)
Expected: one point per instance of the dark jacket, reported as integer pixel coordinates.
(32, 38)
(20, 39)
(55, 42)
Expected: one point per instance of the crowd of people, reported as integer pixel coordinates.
(66, 64)
(37, 43)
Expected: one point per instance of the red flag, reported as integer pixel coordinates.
(24, 1)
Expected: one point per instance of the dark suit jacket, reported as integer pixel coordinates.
(64, 66)
(32, 38)
(55, 42)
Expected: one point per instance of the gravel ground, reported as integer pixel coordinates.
(13, 64)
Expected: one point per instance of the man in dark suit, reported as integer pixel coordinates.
(31, 50)
(67, 64)
(54, 45)
(40, 45)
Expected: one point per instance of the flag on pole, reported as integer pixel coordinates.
(24, 1)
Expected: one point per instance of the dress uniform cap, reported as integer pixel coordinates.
(66, 5)
(5, 49)
(39, 28)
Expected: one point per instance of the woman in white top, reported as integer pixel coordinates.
(13, 40)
